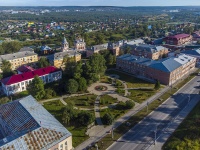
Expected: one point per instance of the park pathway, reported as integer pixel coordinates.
(97, 110)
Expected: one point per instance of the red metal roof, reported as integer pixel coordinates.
(179, 36)
(25, 68)
(28, 75)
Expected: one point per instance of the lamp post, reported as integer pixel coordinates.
(155, 131)
(147, 107)
(188, 98)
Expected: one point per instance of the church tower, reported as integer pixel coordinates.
(65, 45)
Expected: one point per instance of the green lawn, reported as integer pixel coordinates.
(83, 101)
(107, 100)
(141, 95)
(187, 135)
(56, 109)
(131, 81)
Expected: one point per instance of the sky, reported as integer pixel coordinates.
(99, 2)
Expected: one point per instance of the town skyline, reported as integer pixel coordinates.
(99, 3)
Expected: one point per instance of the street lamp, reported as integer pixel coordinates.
(147, 107)
(188, 98)
(155, 131)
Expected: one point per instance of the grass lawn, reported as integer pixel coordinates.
(106, 100)
(141, 95)
(56, 109)
(104, 79)
(83, 101)
(187, 135)
(123, 128)
(131, 81)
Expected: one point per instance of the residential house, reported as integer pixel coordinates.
(149, 51)
(20, 58)
(19, 82)
(178, 39)
(45, 50)
(27, 125)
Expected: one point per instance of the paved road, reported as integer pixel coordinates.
(142, 136)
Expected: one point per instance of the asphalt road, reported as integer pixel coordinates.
(142, 136)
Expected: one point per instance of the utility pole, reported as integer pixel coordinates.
(155, 135)
(112, 133)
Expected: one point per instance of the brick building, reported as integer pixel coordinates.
(79, 44)
(178, 39)
(167, 70)
(149, 51)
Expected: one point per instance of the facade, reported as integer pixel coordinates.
(178, 39)
(167, 70)
(65, 45)
(79, 44)
(45, 50)
(19, 59)
(57, 58)
(19, 82)
(26, 125)
(115, 47)
(150, 51)
(95, 49)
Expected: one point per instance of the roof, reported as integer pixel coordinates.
(25, 125)
(172, 63)
(192, 52)
(60, 55)
(26, 49)
(98, 47)
(28, 75)
(64, 41)
(135, 42)
(45, 48)
(25, 68)
(149, 48)
(179, 36)
(17, 55)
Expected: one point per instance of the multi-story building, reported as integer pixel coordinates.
(65, 45)
(57, 58)
(27, 125)
(196, 35)
(19, 82)
(194, 53)
(149, 51)
(115, 47)
(167, 70)
(178, 39)
(20, 58)
(79, 44)
(95, 49)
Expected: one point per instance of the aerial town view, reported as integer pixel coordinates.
(99, 75)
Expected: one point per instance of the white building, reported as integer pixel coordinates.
(18, 83)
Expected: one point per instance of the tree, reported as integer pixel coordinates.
(85, 118)
(108, 119)
(77, 73)
(72, 86)
(130, 104)
(110, 59)
(11, 47)
(36, 88)
(70, 64)
(82, 84)
(69, 114)
(43, 62)
(157, 85)
(95, 67)
(49, 93)
(6, 68)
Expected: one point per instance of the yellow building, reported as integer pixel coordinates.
(57, 58)
(20, 58)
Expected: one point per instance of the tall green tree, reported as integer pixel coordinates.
(82, 84)
(11, 47)
(36, 88)
(6, 68)
(77, 72)
(85, 118)
(157, 85)
(43, 62)
(72, 86)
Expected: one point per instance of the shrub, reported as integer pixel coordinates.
(130, 104)
(108, 119)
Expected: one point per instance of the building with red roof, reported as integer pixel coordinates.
(18, 82)
(178, 39)
(24, 68)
